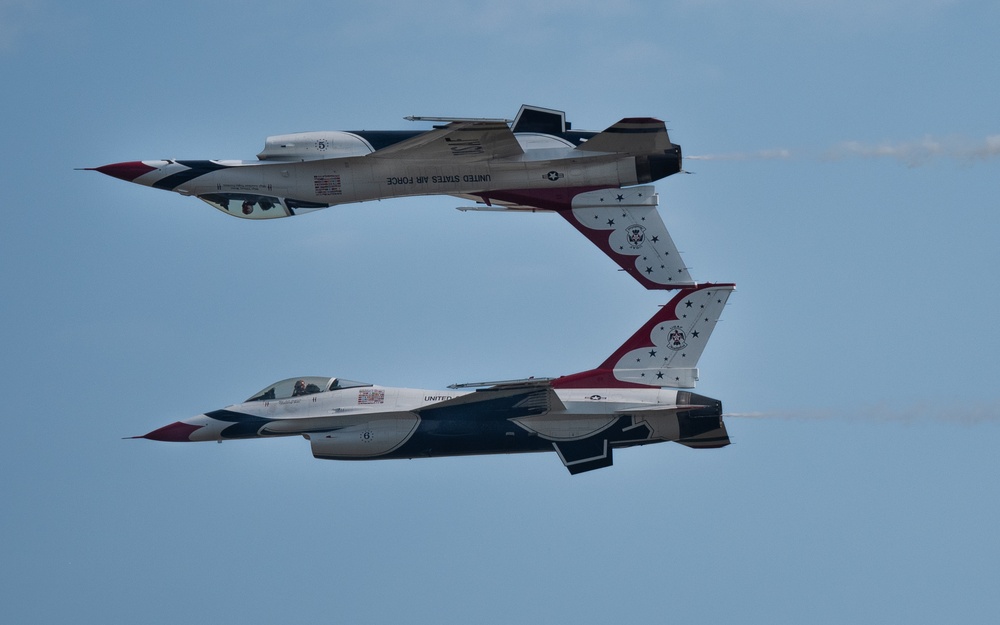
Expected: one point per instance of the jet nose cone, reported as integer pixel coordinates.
(125, 171)
(174, 433)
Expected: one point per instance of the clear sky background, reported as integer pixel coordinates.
(848, 185)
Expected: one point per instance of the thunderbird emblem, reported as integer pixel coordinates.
(636, 236)
(676, 339)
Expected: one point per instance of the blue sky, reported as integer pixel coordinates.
(848, 185)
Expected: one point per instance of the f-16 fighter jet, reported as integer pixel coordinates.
(632, 398)
(536, 163)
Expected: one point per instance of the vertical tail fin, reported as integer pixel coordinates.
(666, 349)
(625, 224)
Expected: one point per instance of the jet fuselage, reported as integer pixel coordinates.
(366, 422)
(535, 164)
(632, 398)
(290, 183)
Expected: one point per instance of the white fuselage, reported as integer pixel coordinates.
(372, 421)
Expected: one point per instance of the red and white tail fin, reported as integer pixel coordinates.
(625, 224)
(666, 349)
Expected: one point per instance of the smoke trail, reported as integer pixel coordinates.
(924, 412)
(910, 153)
(916, 153)
(760, 155)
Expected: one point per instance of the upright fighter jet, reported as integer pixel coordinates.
(632, 398)
(535, 163)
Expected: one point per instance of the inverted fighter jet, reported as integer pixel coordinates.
(536, 163)
(632, 398)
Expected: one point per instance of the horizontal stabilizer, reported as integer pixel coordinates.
(584, 455)
(712, 439)
(625, 224)
(633, 135)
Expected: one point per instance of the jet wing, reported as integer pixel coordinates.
(497, 205)
(459, 142)
(496, 402)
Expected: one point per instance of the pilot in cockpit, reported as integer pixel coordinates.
(301, 388)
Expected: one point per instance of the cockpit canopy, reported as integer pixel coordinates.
(305, 385)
